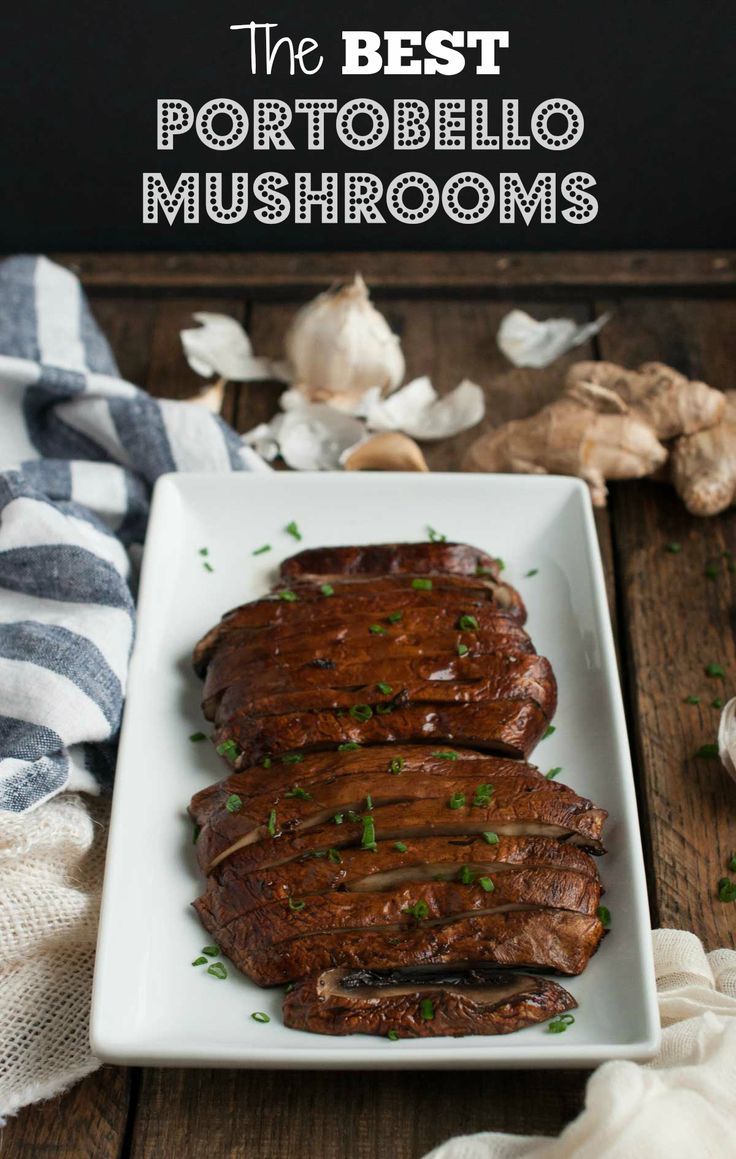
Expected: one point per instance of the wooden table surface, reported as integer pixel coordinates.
(671, 621)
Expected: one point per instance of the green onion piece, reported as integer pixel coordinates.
(384, 688)
(486, 884)
(368, 802)
(334, 856)
(400, 847)
(259, 1016)
(673, 548)
(267, 762)
(467, 624)
(197, 736)
(491, 838)
(204, 551)
(711, 571)
(457, 800)
(445, 755)
(288, 989)
(604, 916)
(195, 834)
(555, 772)
(229, 749)
(419, 910)
(422, 585)
(462, 649)
(732, 864)
(483, 794)
(296, 906)
(288, 596)
(217, 970)
(210, 951)
(384, 709)
(338, 818)
(549, 730)
(200, 961)
(715, 670)
(435, 536)
(234, 803)
(302, 794)
(396, 765)
(207, 566)
(393, 1035)
(292, 530)
(717, 703)
(292, 758)
(466, 875)
(532, 571)
(378, 630)
(327, 590)
(426, 1009)
(558, 1025)
(262, 550)
(353, 816)
(708, 752)
(368, 840)
(691, 700)
(272, 823)
(361, 711)
(394, 617)
(349, 747)
(727, 889)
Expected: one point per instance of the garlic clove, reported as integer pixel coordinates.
(339, 346)
(387, 451)
(727, 737)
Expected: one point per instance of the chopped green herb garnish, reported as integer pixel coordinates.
(271, 826)
(384, 709)
(195, 834)
(302, 794)
(327, 590)
(673, 548)
(338, 818)
(419, 910)
(211, 951)
(691, 700)
(396, 765)
(204, 551)
(234, 803)
(604, 916)
(732, 864)
(288, 989)
(217, 970)
(457, 800)
(445, 755)
(288, 596)
(353, 816)
(435, 536)
(715, 670)
(708, 752)
(259, 1016)
(348, 747)
(361, 711)
(711, 571)
(229, 749)
(378, 630)
(394, 617)
(532, 571)
(467, 624)
(292, 758)
(558, 1025)
(400, 847)
(549, 730)
(200, 961)
(292, 530)
(726, 889)
(262, 550)
(368, 802)
(483, 572)
(384, 688)
(486, 884)
(267, 762)
(491, 838)
(296, 906)
(483, 794)
(393, 1035)
(197, 736)
(717, 703)
(422, 585)
(555, 772)
(466, 875)
(207, 566)
(368, 840)
(462, 649)
(334, 856)
(426, 1009)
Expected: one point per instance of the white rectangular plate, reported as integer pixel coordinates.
(150, 1005)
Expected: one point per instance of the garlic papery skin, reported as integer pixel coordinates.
(339, 346)
(727, 737)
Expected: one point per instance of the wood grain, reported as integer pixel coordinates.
(676, 622)
(89, 1121)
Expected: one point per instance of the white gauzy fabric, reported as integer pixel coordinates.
(51, 863)
(680, 1106)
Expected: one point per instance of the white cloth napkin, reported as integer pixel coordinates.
(680, 1106)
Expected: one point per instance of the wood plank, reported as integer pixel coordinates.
(473, 271)
(676, 622)
(128, 326)
(89, 1120)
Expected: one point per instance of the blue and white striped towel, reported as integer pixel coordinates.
(80, 449)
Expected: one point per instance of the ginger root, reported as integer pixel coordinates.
(590, 432)
(703, 465)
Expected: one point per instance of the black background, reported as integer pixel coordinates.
(80, 81)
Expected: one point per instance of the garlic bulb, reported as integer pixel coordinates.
(339, 346)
